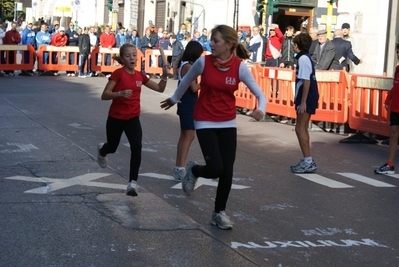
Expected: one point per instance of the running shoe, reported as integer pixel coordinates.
(303, 167)
(132, 189)
(385, 169)
(102, 161)
(189, 180)
(179, 175)
(221, 220)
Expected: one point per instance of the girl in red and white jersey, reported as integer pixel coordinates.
(215, 114)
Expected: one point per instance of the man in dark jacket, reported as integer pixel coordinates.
(177, 52)
(84, 52)
(72, 41)
(148, 41)
(344, 50)
(325, 56)
(287, 50)
(313, 34)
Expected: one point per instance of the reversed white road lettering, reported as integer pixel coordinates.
(21, 148)
(306, 244)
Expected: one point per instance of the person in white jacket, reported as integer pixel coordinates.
(2, 55)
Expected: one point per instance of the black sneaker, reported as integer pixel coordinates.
(385, 169)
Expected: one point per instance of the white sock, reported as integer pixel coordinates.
(308, 159)
(177, 168)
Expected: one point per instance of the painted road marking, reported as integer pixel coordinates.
(323, 180)
(54, 184)
(200, 181)
(20, 148)
(394, 176)
(364, 179)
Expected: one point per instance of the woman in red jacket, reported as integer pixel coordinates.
(58, 39)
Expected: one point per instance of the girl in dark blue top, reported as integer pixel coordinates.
(185, 109)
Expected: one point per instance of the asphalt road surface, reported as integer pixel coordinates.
(59, 208)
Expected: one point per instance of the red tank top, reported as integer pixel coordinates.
(217, 102)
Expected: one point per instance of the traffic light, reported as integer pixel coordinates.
(259, 6)
(271, 7)
(109, 5)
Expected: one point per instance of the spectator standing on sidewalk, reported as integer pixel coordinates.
(287, 50)
(185, 109)
(306, 100)
(255, 45)
(124, 89)
(2, 53)
(72, 41)
(43, 37)
(135, 38)
(177, 52)
(28, 37)
(107, 40)
(273, 46)
(58, 39)
(392, 105)
(325, 56)
(344, 51)
(215, 114)
(12, 37)
(84, 53)
(313, 35)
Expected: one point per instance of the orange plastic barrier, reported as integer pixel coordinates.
(244, 97)
(5, 53)
(333, 96)
(151, 61)
(98, 59)
(46, 53)
(367, 111)
(278, 85)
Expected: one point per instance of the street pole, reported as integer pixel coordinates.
(329, 18)
(115, 10)
(264, 13)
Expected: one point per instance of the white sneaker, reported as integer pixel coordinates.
(102, 161)
(179, 175)
(189, 180)
(221, 220)
(108, 75)
(69, 75)
(132, 189)
(82, 76)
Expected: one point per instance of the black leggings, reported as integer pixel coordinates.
(219, 150)
(132, 129)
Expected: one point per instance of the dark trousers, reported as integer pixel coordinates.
(71, 61)
(10, 60)
(82, 63)
(175, 66)
(133, 132)
(218, 147)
